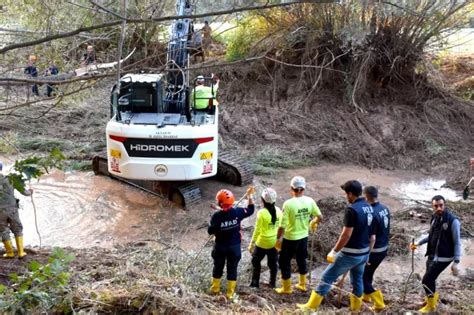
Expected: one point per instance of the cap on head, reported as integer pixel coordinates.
(371, 191)
(352, 186)
(269, 195)
(298, 182)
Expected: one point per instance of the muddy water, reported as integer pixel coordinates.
(80, 209)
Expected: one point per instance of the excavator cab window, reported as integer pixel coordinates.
(138, 97)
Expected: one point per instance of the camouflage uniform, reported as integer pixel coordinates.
(9, 216)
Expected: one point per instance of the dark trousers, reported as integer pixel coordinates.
(433, 270)
(374, 261)
(272, 263)
(226, 254)
(298, 248)
(34, 88)
(49, 90)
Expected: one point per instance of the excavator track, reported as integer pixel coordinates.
(234, 170)
(184, 194)
(231, 169)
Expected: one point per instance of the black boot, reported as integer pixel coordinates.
(255, 283)
(273, 276)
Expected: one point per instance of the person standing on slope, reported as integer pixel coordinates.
(225, 226)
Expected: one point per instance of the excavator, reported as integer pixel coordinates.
(156, 141)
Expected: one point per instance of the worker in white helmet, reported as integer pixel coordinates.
(264, 238)
(300, 213)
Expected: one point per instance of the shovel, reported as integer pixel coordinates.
(466, 191)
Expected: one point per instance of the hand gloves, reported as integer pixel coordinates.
(455, 269)
(313, 225)
(250, 191)
(413, 246)
(251, 247)
(278, 245)
(331, 257)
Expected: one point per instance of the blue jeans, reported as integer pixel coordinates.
(343, 263)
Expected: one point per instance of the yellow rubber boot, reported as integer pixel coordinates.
(19, 246)
(8, 249)
(313, 303)
(379, 304)
(286, 287)
(301, 283)
(215, 286)
(431, 304)
(366, 298)
(356, 303)
(231, 284)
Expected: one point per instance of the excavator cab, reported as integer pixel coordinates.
(207, 97)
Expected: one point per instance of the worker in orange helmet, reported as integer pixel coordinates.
(225, 225)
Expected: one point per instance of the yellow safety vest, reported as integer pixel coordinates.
(201, 95)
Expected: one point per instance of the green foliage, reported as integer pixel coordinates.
(250, 31)
(433, 148)
(41, 288)
(34, 167)
(44, 144)
(270, 162)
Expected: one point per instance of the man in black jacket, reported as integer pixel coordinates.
(444, 248)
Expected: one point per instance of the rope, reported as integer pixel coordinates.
(36, 219)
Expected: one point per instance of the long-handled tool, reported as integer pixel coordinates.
(211, 237)
(311, 249)
(466, 191)
(411, 273)
(340, 284)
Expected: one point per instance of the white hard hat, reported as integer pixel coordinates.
(298, 182)
(200, 78)
(269, 195)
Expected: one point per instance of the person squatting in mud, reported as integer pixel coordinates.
(225, 226)
(9, 216)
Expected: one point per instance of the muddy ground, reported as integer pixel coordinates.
(138, 253)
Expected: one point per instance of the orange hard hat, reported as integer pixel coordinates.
(225, 199)
(33, 57)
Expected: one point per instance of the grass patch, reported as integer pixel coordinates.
(74, 165)
(433, 148)
(271, 161)
(44, 144)
(7, 143)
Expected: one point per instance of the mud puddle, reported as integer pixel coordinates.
(80, 209)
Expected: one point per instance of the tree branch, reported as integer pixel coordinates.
(137, 21)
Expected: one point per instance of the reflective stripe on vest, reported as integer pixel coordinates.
(355, 250)
(380, 249)
(445, 259)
